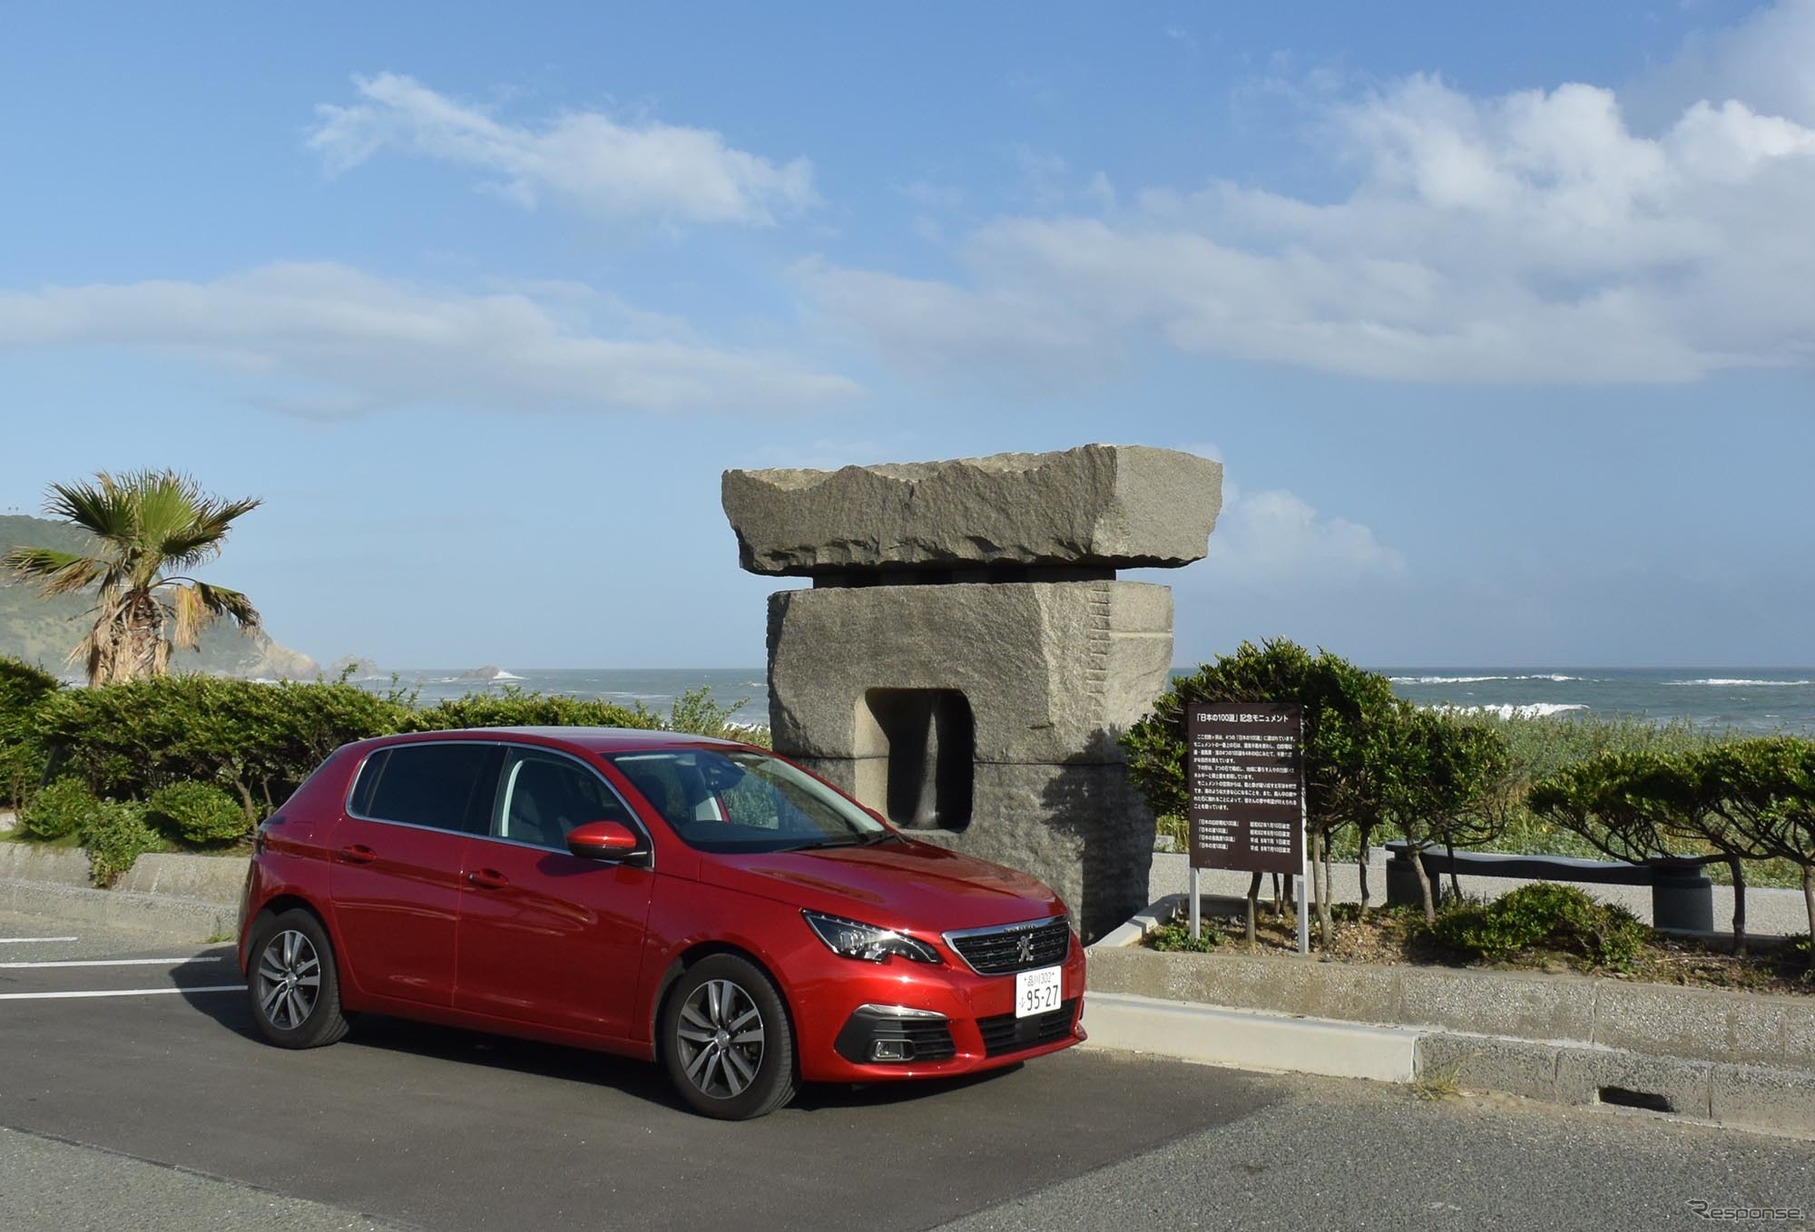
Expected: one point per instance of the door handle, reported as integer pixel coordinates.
(358, 853)
(488, 879)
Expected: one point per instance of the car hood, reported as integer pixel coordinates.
(897, 885)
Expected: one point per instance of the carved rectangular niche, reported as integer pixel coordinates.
(916, 750)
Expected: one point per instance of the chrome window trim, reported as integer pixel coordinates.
(636, 824)
(346, 805)
(509, 747)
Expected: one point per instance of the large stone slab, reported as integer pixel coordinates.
(1051, 671)
(1097, 506)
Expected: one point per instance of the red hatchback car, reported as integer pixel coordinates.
(699, 902)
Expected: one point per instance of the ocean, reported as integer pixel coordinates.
(1749, 701)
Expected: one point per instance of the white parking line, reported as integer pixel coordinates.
(115, 992)
(32, 940)
(112, 962)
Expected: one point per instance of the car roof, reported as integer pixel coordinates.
(591, 739)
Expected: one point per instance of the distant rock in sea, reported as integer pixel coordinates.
(488, 672)
(354, 667)
(262, 659)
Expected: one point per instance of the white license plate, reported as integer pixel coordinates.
(1037, 992)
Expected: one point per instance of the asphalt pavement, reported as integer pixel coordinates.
(154, 1106)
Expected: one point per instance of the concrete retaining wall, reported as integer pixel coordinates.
(176, 896)
(1736, 1058)
(1706, 1024)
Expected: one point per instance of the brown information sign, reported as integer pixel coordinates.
(1244, 767)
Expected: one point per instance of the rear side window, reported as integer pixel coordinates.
(443, 786)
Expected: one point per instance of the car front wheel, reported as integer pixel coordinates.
(292, 983)
(726, 1040)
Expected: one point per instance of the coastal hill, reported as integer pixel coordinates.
(43, 631)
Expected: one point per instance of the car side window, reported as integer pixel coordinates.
(442, 786)
(543, 796)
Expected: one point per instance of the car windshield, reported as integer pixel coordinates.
(744, 800)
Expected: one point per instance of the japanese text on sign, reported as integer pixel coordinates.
(1244, 771)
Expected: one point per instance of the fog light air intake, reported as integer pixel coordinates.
(894, 1035)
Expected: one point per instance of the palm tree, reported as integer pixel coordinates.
(151, 527)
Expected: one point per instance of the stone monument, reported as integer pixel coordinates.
(966, 657)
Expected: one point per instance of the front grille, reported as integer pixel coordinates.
(932, 1040)
(1005, 1033)
(1013, 947)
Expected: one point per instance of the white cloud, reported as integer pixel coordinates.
(1764, 60)
(1533, 237)
(324, 339)
(1274, 536)
(957, 337)
(584, 160)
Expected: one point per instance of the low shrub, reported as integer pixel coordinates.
(58, 810)
(115, 835)
(198, 813)
(1543, 916)
(695, 711)
(1176, 937)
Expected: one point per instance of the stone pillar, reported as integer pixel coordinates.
(966, 657)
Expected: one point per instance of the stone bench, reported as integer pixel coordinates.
(1681, 896)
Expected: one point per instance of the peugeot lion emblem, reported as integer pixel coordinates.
(1025, 948)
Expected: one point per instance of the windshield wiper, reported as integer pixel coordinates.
(847, 840)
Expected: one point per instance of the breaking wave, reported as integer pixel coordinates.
(1722, 682)
(1515, 710)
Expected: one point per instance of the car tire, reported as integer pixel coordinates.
(292, 982)
(726, 1040)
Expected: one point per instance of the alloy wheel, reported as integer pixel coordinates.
(289, 980)
(720, 1037)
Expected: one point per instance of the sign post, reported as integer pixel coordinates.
(1244, 771)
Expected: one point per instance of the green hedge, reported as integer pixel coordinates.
(207, 756)
(22, 689)
(513, 709)
(257, 740)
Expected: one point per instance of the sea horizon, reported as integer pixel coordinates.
(1750, 700)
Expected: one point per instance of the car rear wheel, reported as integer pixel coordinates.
(726, 1040)
(292, 983)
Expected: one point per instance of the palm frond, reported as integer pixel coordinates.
(181, 526)
(56, 572)
(192, 616)
(223, 602)
(104, 508)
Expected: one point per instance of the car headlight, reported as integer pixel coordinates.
(866, 941)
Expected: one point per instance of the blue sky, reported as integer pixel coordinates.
(1501, 318)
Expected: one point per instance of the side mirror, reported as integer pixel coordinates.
(605, 840)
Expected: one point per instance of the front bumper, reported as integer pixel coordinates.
(929, 1020)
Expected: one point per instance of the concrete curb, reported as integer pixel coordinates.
(166, 916)
(1247, 1040)
(1758, 1097)
(176, 897)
